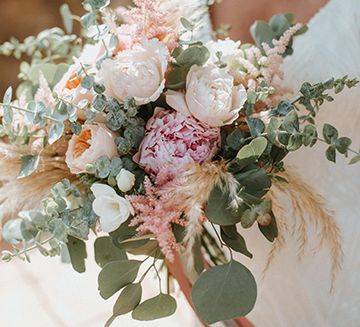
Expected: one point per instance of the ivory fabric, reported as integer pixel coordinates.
(296, 293)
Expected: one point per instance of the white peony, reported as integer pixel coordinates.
(138, 72)
(211, 96)
(125, 180)
(112, 209)
(228, 48)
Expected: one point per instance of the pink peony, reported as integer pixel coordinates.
(94, 141)
(173, 140)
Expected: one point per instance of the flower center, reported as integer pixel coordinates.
(82, 142)
(73, 82)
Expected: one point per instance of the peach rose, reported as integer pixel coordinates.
(94, 141)
(138, 72)
(211, 96)
(69, 87)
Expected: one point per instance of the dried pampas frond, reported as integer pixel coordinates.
(191, 190)
(26, 193)
(307, 207)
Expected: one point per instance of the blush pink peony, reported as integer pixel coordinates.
(94, 141)
(173, 140)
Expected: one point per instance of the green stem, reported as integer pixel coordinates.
(27, 110)
(32, 247)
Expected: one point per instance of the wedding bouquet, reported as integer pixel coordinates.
(163, 146)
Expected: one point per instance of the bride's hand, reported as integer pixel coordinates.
(240, 14)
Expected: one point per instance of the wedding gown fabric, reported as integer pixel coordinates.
(296, 292)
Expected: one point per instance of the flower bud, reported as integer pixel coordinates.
(125, 180)
(264, 219)
(6, 256)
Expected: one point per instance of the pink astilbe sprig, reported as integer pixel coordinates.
(150, 22)
(44, 93)
(273, 59)
(154, 216)
(257, 66)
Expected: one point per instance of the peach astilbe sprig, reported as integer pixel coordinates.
(153, 215)
(257, 66)
(150, 22)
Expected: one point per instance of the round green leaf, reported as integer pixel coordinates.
(106, 251)
(262, 32)
(224, 292)
(254, 149)
(128, 300)
(160, 306)
(330, 133)
(115, 275)
(193, 55)
(218, 208)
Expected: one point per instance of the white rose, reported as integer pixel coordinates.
(12, 231)
(211, 96)
(125, 180)
(138, 72)
(228, 49)
(112, 209)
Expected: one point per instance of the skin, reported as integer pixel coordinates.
(240, 14)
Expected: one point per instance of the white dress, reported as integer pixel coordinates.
(296, 293)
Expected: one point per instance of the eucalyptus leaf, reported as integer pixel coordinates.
(218, 209)
(248, 218)
(176, 78)
(77, 252)
(291, 122)
(331, 153)
(29, 164)
(150, 248)
(187, 25)
(295, 142)
(310, 135)
(256, 126)
(354, 160)
(262, 33)
(193, 55)
(224, 292)
(342, 144)
(106, 251)
(255, 181)
(88, 19)
(8, 114)
(67, 17)
(279, 24)
(117, 274)
(235, 139)
(255, 148)
(232, 238)
(8, 95)
(55, 132)
(128, 299)
(330, 133)
(160, 306)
